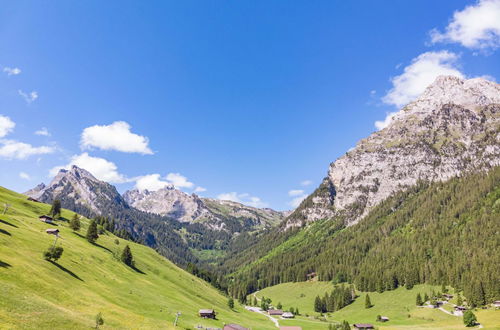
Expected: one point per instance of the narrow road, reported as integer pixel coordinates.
(258, 310)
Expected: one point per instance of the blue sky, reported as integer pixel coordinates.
(247, 100)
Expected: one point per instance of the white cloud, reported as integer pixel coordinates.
(295, 192)
(422, 71)
(43, 132)
(306, 183)
(6, 125)
(24, 176)
(178, 180)
(475, 27)
(116, 136)
(243, 199)
(28, 97)
(12, 149)
(151, 182)
(199, 189)
(11, 71)
(297, 200)
(101, 168)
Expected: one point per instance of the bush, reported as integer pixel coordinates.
(469, 319)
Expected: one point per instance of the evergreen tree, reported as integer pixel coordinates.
(426, 297)
(74, 223)
(318, 305)
(297, 311)
(128, 259)
(469, 318)
(92, 235)
(230, 303)
(368, 303)
(55, 210)
(279, 306)
(459, 300)
(255, 301)
(345, 325)
(419, 300)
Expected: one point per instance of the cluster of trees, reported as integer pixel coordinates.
(340, 326)
(440, 233)
(341, 296)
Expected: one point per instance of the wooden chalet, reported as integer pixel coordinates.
(291, 328)
(496, 303)
(52, 231)
(46, 219)
(207, 313)
(384, 319)
(275, 312)
(363, 326)
(234, 327)
(287, 315)
(447, 296)
(311, 276)
(31, 199)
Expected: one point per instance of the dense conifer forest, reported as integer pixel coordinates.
(441, 233)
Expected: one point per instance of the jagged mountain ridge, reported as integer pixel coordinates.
(452, 128)
(183, 207)
(78, 189)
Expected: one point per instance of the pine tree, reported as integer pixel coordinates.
(426, 297)
(469, 318)
(345, 325)
(255, 301)
(55, 210)
(419, 300)
(75, 224)
(92, 235)
(279, 306)
(297, 311)
(128, 259)
(230, 303)
(368, 303)
(318, 306)
(459, 300)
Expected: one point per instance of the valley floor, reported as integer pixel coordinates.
(398, 305)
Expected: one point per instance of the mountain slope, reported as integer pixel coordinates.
(213, 213)
(88, 279)
(439, 233)
(452, 128)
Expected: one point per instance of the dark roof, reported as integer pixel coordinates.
(44, 217)
(51, 231)
(234, 327)
(363, 325)
(275, 312)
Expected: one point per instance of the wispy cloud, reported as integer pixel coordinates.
(244, 198)
(296, 192)
(306, 183)
(11, 71)
(43, 132)
(28, 97)
(24, 176)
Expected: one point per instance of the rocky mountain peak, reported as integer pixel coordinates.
(452, 128)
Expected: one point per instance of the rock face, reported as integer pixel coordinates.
(78, 190)
(191, 208)
(452, 128)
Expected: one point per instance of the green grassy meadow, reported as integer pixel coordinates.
(398, 305)
(37, 294)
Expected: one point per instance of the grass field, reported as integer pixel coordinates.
(398, 305)
(37, 294)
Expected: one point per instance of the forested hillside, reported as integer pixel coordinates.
(440, 233)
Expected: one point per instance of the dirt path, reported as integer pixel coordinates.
(260, 311)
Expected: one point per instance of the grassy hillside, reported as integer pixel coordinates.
(37, 294)
(398, 305)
